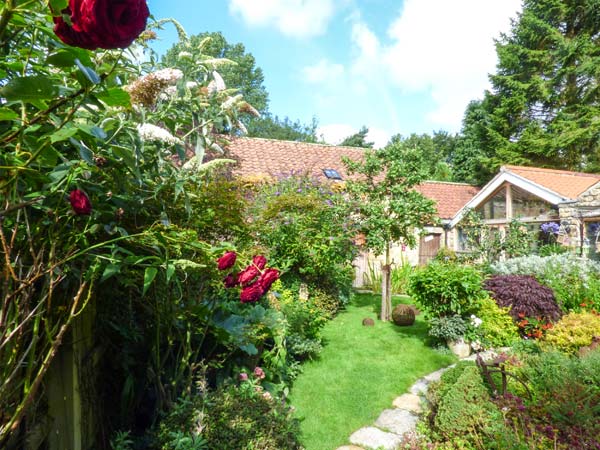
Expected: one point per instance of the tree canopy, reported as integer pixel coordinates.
(358, 139)
(544, 106)
(272, 127)
(385, 201)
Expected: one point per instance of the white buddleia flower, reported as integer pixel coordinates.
(149, 132)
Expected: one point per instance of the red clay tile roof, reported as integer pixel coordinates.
(272, 157)
(449, 197)
(563, 182)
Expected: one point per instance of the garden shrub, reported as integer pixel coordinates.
(565, 396)
(574, 280)
(497, 327)
(525, 296)
(447, 328)
(236, 420)
(464, 410)
(443, 289)
(573, 331)
(308, 229)
(244, 417)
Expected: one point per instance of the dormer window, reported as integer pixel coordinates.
(332, 174)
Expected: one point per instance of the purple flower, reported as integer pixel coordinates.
(550, 228)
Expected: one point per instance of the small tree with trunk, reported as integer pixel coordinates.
(389, 208)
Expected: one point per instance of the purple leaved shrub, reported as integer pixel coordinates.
(525, 295)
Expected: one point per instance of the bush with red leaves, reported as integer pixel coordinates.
(525, 295)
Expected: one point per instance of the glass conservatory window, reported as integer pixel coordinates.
(525, 204)
(495, 207)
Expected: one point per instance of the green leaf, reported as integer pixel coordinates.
(63, 134)
(84, 151)
(58, 5)
(170, 272)
(27, 89)
(115, 97)
(8, 114)
(109, 271)
(249, 349)
(62, 58)
(149, 275)
(88, 72)
(126, 156)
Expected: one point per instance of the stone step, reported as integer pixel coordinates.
(397, 421)
(374, 438)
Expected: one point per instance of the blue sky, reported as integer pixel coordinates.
(399, 66)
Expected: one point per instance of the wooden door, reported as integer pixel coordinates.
(429, 246)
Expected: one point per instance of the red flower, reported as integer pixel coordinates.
(80, 202)
(230, 280)
(247, 275)
(259, 261)
(252, 293)
(268, 277)
(226, 261)
(102, 23)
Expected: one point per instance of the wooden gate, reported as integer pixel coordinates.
(429, 246)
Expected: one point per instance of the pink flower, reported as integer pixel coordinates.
(226, 261)
(259, 261)
(267, 396)
(259, 373)
(80, 202)
(252, 293)
(268, 277)
(243, 376)
(248, 275)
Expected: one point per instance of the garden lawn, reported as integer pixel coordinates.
(359, 373)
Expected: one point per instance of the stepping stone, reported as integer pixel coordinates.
(374, 438)
(408, 402)
(397, 421)
(349, 447)
(420, 387)
(435, 376)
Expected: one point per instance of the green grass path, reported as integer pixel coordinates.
(359, 373)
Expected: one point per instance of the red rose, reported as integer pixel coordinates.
(268, 277)
(102, 23)
(252, 293)
(226, 261)
(259, 261)
(230, 280)
(80, 202)
(247, 275)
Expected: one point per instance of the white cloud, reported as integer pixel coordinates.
(296, 18)
(441, 48)
(335, 133)
(446, 47)
(323, 72)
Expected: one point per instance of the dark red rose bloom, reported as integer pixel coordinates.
(247, 275)
(259, 261)
(80, 202)
(102, 23)
(226, 261)
(252, 293)
(268, 277)
(230, 280)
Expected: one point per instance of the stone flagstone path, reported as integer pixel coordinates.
(387, 431)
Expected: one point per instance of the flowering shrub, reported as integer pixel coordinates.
(497, 328)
